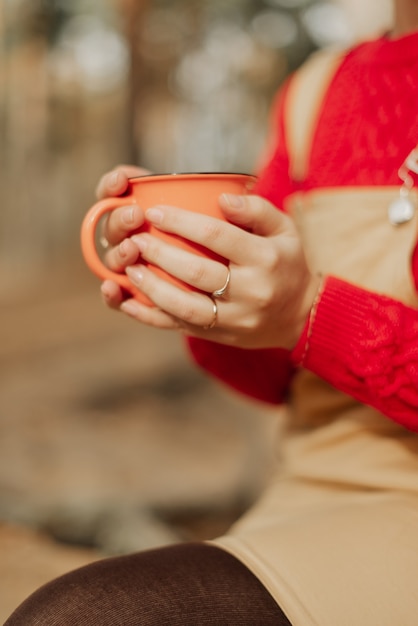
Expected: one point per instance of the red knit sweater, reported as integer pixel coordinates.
(362, 343)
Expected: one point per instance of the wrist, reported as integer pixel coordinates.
(311, 302)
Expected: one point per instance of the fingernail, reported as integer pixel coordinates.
(114, 179)
(105, 291)
(129, 215)
(235, 202)
(135, 274)
(130, 307)
(154, 215)
(123, 248)
(140, 243)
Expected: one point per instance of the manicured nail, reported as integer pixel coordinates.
(128, 215)
(105, 291)
(130, 307)
(154, 215)
(140, 243)
(114, 179)
(123, 249)
(235, 202)
(135, 274)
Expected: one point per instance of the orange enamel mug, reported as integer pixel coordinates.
(198, 192)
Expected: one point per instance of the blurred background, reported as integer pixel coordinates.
(110, 441)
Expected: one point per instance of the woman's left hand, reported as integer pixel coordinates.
(270, 291)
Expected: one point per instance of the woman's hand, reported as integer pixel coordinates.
(271, 289)
(118, 226)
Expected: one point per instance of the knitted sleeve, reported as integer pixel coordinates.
(262, 375)
(362, 343)
(366, 345)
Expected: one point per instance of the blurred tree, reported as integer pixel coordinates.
(188, 56)
(85, 84)
(133, 12)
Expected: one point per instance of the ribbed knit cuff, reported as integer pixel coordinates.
(328, 338)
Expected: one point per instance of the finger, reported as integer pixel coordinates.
(113, 297)
(121, 222)
(115, 183)
(226, 240)
(122, 255)
(112, 294)
(199, 272)
(189, 307)
(151, 316)
(255, 213)
(112, 183)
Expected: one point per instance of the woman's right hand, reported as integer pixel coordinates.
(117, 228)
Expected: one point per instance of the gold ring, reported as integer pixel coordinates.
(220, 292)
(214, 312)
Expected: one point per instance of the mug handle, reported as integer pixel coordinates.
(88, 240)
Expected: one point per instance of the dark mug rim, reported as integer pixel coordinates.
(169, 174)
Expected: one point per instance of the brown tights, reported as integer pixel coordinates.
(189, 584)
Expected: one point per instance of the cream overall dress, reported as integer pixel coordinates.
(334, 538)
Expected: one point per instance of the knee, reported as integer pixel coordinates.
(62, 602)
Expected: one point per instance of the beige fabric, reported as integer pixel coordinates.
(357, 241)
(335, 536)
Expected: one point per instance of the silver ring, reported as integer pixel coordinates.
(104, 242)
(214, 313)
(218, 293)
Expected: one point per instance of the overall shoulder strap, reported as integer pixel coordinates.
(303, 102)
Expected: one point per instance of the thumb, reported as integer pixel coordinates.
(255, 214)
